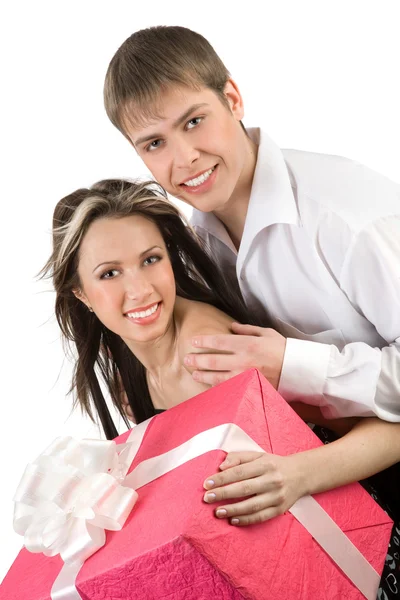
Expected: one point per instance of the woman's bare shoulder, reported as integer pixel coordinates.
(197, 318)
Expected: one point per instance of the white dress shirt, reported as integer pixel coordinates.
(320, 259)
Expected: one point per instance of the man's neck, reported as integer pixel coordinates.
(234, 213)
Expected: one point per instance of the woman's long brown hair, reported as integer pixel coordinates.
(101, 354)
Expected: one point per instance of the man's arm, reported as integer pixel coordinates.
(359, 380)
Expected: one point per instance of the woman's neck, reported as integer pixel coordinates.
(160, 354)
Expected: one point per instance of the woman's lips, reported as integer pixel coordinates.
(147, 319)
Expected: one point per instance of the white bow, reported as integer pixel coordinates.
(70, 494)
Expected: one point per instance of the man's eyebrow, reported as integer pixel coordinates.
(188, 112)
(179, 121)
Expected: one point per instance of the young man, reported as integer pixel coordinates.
(312, 240)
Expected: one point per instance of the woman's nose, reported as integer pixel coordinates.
(138, 288)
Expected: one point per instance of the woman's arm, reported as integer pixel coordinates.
(274, 483)
(371, 446)
(313, 414)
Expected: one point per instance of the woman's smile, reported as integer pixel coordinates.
(145, 315)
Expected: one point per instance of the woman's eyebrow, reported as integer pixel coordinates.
(107, 262)
(118, 262)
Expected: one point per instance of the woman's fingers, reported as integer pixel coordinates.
(247, 466)
(253, 509)
(266, 486)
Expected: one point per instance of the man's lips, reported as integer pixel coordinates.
(199, 174)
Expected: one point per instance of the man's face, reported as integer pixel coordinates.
(196, 149)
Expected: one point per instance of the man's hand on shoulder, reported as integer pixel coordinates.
(250, 347)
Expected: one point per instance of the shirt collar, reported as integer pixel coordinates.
(271, 200)
(212, 225)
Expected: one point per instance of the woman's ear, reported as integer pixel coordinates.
(81, 296)
(234, 99)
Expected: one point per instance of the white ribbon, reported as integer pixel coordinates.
(66, 499)
(73, 492)
(230, 438)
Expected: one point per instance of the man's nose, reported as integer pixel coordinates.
(185, 154)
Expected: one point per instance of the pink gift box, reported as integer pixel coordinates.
(172, 547)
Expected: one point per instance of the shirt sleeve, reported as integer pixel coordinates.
(359, 380)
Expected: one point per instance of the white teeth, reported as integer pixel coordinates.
(143, 313)
(201, 179)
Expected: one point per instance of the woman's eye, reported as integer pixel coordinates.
(153, 145)
(110, 274)
(193, 122)
(151, 260)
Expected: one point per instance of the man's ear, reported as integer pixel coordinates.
(81, 296)
(234, 99)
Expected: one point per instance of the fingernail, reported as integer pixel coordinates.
(209, 483)
(195, 342)
(234, 521)
(221, 512)
(209, 497)
(187, 360)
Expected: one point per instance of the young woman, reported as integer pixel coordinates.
(133, 285)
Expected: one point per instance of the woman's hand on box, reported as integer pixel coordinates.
(267, 485)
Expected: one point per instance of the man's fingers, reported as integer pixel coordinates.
(212, 378)
(244, 345)
(241, 329)
(212, 362)
(220, 341)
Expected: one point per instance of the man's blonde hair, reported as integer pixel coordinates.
(151, 61)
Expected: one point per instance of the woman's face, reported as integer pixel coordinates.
(126, 277)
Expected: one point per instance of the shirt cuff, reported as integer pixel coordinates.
(304, 371)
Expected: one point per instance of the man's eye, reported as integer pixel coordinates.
(110, 274)
(153, 145)
(151, 260)
(193, 122)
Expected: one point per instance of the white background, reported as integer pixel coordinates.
(317, 75)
